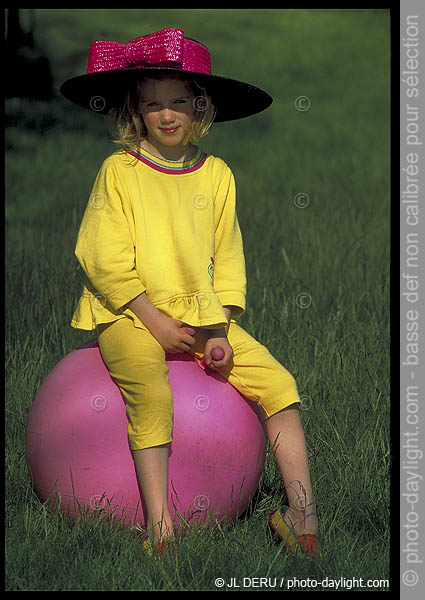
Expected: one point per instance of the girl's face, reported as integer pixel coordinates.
(167, 111)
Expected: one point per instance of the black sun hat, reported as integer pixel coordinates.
(113, 66)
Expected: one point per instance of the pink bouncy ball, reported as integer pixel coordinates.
(78, 453)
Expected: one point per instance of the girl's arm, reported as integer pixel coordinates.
(229, 260)
(216, 333)
(105, 244)
(218, 338)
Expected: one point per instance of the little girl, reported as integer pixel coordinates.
(162, 252)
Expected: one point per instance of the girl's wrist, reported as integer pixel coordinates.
(218, 333)
(146, 312)
(228, 313)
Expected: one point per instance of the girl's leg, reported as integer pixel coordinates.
(261, 378)
(136, 362)
(152, 473)
(286, 437)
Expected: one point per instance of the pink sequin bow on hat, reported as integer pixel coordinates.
(165, 48)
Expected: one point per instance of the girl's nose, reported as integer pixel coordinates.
(167, 115)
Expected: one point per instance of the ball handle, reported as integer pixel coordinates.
(217, 353)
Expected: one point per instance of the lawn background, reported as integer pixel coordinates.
(318, 283)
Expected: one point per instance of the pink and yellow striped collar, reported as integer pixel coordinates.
(163, 166)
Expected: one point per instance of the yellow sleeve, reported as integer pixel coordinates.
(229, 260)
(105, 244)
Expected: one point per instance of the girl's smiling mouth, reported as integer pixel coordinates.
(168, 130)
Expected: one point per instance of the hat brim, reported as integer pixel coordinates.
(102, 91)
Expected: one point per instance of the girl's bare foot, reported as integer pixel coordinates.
(160, 530)
(301, 521)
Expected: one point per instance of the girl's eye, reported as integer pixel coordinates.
(153, 103)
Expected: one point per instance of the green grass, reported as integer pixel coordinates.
(335, 252)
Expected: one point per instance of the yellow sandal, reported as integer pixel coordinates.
(300, 545)
(159, 549)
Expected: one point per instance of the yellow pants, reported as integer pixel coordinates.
(136, 362)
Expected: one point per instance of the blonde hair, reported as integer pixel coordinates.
(127, 122)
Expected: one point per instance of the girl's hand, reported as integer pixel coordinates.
(218, 342)
(169, 333)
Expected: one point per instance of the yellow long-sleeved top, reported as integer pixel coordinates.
(167, 229)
